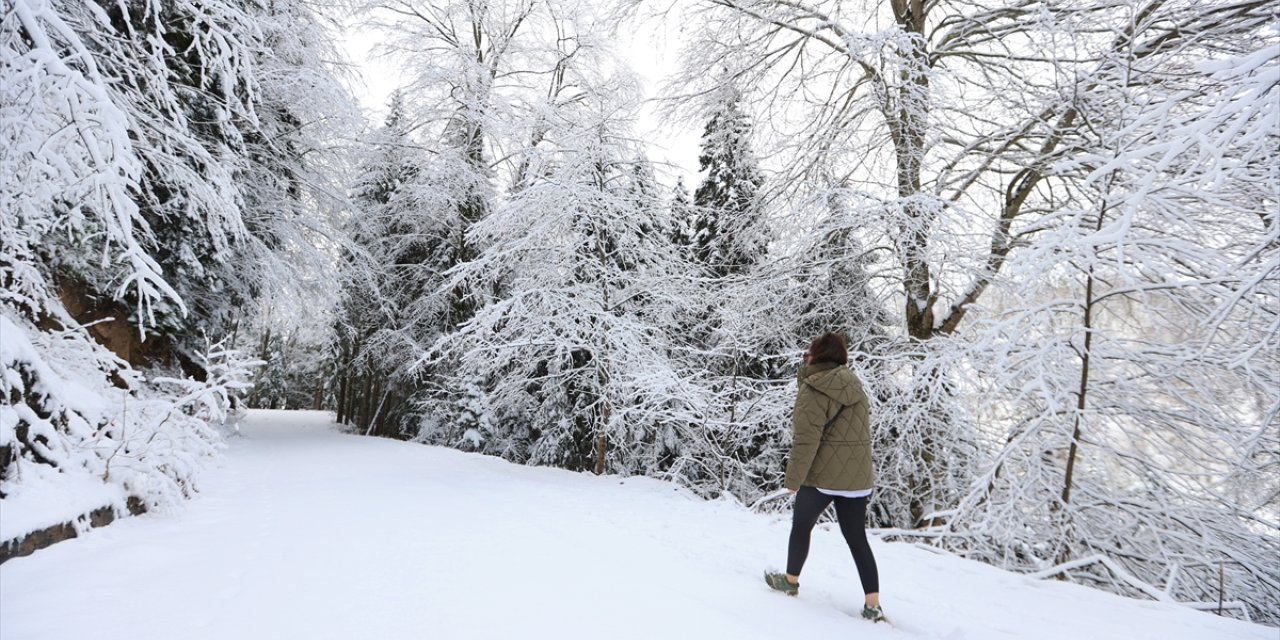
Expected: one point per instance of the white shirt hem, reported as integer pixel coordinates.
(860, 493)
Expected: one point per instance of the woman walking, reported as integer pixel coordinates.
(830, 462)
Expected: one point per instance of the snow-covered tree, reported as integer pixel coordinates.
(405, 229)
(468, 65)
(70, 165)
(565, 353)
(1018, 166)
(132, 134)
(883, 98)
(726, 230)
(1137, 393)
(722, 235)
(221, 183)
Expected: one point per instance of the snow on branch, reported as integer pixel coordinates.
(1113, 567)
(69, 151)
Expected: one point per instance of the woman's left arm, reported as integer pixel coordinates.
(806, 426)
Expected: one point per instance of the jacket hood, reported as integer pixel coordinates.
(835, 381)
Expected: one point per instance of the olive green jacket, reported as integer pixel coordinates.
(839, 459)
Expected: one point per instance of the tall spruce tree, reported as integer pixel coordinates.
(681, 215)
(567, 361)
(364, 308)
(724, 234)
(725, 230)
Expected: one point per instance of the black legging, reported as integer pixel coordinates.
(852, 514)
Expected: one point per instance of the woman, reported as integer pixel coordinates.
(830, 462)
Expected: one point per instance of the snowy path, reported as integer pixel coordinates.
(306, 533)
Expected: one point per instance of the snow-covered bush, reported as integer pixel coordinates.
(76, 416)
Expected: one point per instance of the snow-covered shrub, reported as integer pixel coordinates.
(80, 424)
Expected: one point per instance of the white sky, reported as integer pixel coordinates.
(650, 55)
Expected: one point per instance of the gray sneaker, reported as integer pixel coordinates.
(779, 582)
(872, 614)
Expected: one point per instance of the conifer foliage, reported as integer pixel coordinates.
(726, 231)
(723, 235)
(386, 273)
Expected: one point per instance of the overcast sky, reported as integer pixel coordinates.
(650, 56)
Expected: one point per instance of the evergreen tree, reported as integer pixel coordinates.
(390, 310)
(726, 227)
(566, 362)
(724, 235)
(682, 216)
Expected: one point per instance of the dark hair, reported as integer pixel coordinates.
(829, 347)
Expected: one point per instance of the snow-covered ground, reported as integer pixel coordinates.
(303, 532)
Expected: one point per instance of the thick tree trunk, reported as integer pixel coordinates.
(602, 443)
(906, 109)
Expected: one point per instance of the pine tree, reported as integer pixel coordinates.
(724, 234)
(682, 217)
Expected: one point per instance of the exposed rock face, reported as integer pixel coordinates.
(37, 540)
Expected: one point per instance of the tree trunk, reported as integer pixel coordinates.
(906, 109)
(343, 406)
(263, 354)
(602, 440)
(365, 400)
(373, 426)
(1082, 393)
(317, 400)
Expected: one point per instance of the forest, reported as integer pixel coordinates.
(1050, 230)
